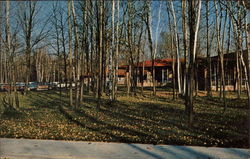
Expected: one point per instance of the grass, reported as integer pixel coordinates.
(140, 119)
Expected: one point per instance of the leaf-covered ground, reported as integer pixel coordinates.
(139, 119)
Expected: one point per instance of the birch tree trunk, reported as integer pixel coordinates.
(70, 54)
(77, 59)
(172, 54)
(177, 48)
(117, 50)
(184, 29)
(100, 51)
(111, 56)
(8, 55)
(220, 52)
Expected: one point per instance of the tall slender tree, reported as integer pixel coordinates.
(77, 58)
(176, 48)
(194, 21)
(70, 54)
(208, 68)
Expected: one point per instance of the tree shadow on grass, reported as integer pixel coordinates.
(128, 122)
(230, 102)
(44, 99)
(95, 129)
(147, 122)
(12, 114)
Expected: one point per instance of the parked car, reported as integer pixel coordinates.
(1, 86)
(32, 86)
(7, 87)
(42, 86)
(20, 86)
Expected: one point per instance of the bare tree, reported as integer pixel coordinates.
(77, 58)
(28, 19)
(246, 30)
(220, 53)
(185, 47)
(70, 54)
(173, 56)
(194, 21)
(100, 26)
(176, 47)
(111, 56)
(117, 50)
(208, 84)
(149, 30)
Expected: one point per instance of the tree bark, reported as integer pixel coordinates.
(70, 54)
(117, 51)
(177, 49)
(194, 27)
(77, 58)
(100, 50)
(184, 28)
(208, 84)
(149, 29)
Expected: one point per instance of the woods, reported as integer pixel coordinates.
(99, 48)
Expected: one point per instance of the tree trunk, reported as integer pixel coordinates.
(143, 68)
(117, 51)
(184, 28)
(100, 49)
(77, 58)
(70, 55)
(194, 27)
(177, 49)
(208, 84)
(149, 29)
(246, 30)
(172, 50)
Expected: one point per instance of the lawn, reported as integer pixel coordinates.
(140, 119)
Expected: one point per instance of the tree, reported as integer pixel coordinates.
(208, 84)
(194, 21)
(111, 56)
(77, 58)
(117, 51)
(173, 56)
(220, 52)
(70, 54)
(149, 30)
(246, 30)
(100, 27)
(28, 19)
(185, 47)
(10, 100)
(176, 46)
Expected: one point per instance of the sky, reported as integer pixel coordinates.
(45, 10)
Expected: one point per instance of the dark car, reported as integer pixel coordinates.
(20, 86)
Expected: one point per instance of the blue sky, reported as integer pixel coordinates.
(46, 10)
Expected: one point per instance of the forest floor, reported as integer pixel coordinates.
(139, 119)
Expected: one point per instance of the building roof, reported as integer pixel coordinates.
(157, 63)
(230, 56)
